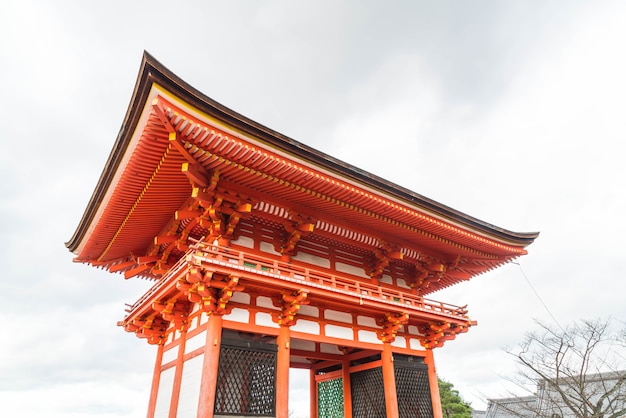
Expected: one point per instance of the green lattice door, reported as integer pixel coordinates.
(330, 398)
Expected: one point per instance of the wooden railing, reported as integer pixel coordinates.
(175, 271)
(206, 255)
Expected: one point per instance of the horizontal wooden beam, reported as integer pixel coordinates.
(148, 259)
(133, 272)
(186, 214)
(121, 266)
(165, 239)
(195, 174)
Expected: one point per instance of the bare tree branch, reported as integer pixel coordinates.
(579, 371)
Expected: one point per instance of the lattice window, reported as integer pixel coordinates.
(412, 390)
(246, 383)
(368, 394)
(330, 398)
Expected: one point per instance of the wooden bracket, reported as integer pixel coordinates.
(391, 323)
(436, 334)
(290, 304)
(382, 257)
(296, 230)
(152, 328)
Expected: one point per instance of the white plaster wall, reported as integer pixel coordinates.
(268, 247)
(413, 330)
(244, 242)
(170, 355)
(399, 342)
(415, 344)
(309, 310)
(368, 337)
(366, 321)
(310, 327)
(329, 349)
(195, 342)
(402, 283)
(193, 323)
(339, 332)
(347, 268)
(164, 395)
(265, 302)
(195, 308)
(303, 345)
(241, 297)
(264, 319)
(190, 388)
(338, 316)
(238, 315)
(312, 259)
(386, 279)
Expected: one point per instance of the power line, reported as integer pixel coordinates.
(537, 294)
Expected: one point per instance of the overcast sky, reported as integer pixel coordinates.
(512, 112)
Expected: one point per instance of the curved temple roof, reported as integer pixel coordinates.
(170, 125)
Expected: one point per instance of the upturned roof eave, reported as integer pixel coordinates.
(139, 96)
(152, 71)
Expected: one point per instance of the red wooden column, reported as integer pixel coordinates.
(178, 373)
(434, 384)
(210, 363)
(156, 379)
(282, 372)
(291, 303)
(313, 393)
(389, 380)
(347, 389)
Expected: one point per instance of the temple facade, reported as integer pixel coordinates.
(268, 255)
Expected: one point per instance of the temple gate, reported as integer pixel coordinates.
(268, 255)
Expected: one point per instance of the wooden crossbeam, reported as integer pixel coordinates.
(165, 239)
(121, 266)
(186, 214)
(195, 174)
(135, 271)
(148, 259)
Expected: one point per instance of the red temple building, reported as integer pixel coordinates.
(268, 255)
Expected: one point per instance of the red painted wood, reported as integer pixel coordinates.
(347, 391)
(210, 363)
(434, 384)
(389, 380)
(156, 378)
(178, 374)
(282, 372)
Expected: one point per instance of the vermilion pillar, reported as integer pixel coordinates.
(156, 378)
(313, 393)
(210, 363)
(434, 384)
(389, 380)
(178, 374)
(347, 391)
(282, 372)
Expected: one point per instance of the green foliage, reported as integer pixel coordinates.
(452, 405)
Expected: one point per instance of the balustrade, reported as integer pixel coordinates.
(214, 257)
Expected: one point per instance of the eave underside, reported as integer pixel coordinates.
(143, 202)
